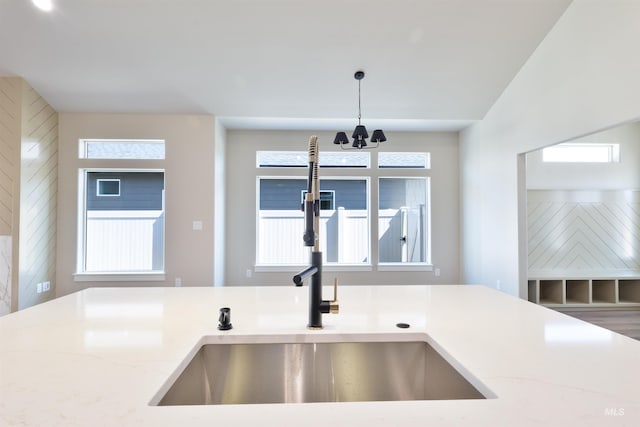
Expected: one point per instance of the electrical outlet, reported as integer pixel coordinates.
(437, 272)
(178, 282)
(197, 225)
(39, 288)
(249, 272)
(46, 286)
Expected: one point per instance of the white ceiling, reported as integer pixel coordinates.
(279, 63)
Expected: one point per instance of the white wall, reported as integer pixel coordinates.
(582, 78)
(241, 204)
(189, 188)
(621, 175)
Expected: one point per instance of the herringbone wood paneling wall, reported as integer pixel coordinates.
(9, 150)
(9, 186)
(38, 194)
(583, 231)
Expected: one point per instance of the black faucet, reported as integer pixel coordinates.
(311, 207)
(317, 305)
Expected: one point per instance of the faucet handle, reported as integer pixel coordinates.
(334, 307)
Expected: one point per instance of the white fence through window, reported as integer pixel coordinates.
(402, 235)
(124, 241)
(344, 237)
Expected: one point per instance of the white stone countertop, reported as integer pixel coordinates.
(98, 357)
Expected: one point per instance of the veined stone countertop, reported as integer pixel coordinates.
(99, 356)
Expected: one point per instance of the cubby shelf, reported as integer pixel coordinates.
(585, 292)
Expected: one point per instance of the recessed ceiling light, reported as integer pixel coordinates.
(46, 5)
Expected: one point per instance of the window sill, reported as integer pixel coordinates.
(119, 277)
(325, 267)
(404, 267)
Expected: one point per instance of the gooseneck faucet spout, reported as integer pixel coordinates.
(311, 207)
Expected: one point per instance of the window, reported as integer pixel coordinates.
(327, 199)
(300, 159)
(108, 187)
(121, 231)
(124, 234)
(582, 153)
(121, 149)
(344, 223)
(403, 220)
(402, 211)
(404, 160)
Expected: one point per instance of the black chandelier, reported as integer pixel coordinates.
(360, 133)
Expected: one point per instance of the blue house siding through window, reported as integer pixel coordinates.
(286, 194)
(138, 191)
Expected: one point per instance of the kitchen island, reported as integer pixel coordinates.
(99, 357)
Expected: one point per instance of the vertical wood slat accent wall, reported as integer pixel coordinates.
(570, 232)
(38, 197)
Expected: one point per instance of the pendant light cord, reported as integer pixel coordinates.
(359, 114)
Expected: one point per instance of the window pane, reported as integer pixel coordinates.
(327, 199)
(404, 160)
(300, 159)
(344, 224)
(125, 233)
(582, 153)
(108, 187)
(402, 221)
(337, 159)
(121, 149)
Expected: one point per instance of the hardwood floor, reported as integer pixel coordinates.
(625, 322)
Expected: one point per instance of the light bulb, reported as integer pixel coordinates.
(46, 5)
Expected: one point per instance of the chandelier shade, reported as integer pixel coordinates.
(360, 132)
(378, 136)
(341, 138)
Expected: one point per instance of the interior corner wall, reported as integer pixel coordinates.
(581, 79)
(220, 184)
(189, 188)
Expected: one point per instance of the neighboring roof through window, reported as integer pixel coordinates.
(122, 149)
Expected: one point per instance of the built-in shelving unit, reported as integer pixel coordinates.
(585, 292)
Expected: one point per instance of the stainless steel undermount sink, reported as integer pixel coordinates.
(301, 372)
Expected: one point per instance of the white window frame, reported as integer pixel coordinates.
(372, 173)
(101, 180)
(404, 266)
(85, 165)
(83, 275)
(329, 266)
